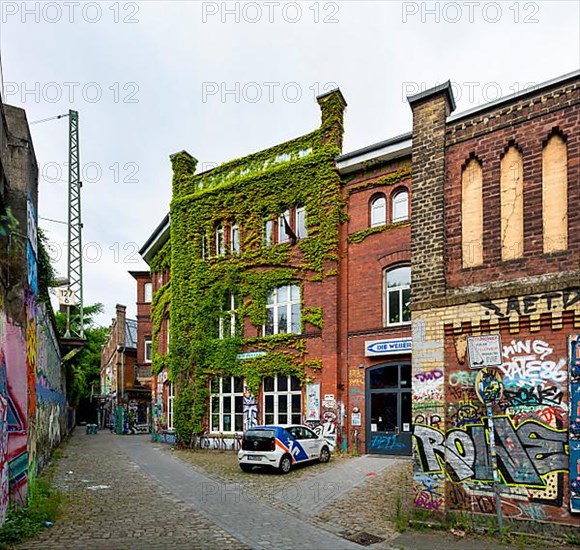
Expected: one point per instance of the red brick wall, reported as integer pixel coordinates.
(361, 308)
(527, 123)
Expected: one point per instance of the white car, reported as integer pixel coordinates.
(281, 447)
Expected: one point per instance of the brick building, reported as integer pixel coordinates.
(492, 249)
(126, 399)
(496, 250)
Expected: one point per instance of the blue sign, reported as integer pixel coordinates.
(387, 347)
(250, 355)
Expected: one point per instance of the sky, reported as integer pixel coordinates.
(224, 79)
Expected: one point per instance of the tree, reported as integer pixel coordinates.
(83, 370)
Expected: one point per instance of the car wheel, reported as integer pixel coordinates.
(324, 455)
(285, 464)
(246, 467)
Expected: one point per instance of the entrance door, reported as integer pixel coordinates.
(388, 406)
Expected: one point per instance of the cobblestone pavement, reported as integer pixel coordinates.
(110, 503)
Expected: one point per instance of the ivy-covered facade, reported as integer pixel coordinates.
(245, 286)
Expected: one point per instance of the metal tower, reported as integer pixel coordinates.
(75, 314)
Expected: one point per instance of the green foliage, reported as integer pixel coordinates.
(25, 522)
(83, 370)
(360, 236)
(45, 270)
(245, 191)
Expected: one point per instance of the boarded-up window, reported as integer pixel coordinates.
(472, 214)
(512, 205)
(555, 195)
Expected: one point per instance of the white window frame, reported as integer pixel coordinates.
(147, 292)
(233, 318)
(170, 406)
(148, 344)
(235, 239)
(204, 248)
(398, 289)
(220, 241)
(400, 197)
(376, 211)
(301, 230)
(276, 395)
(276, 306)
(282, 236)
(268, 232)
(224, 397)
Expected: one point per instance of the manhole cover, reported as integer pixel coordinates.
(365, 539)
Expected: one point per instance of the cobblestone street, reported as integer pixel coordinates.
(125, 492)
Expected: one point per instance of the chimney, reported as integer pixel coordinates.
(430, 111)
(332, 106)
(121, 314)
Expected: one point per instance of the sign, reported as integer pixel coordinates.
(488, 386)
(67, 297)
(250, 355)
(387, 347)
(484, 351)
(355, 419)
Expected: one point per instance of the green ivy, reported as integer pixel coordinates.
(360, 236)
(300, 172)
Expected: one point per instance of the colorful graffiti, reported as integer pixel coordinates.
(574, 426)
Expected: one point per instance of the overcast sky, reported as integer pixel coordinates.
(223, 79)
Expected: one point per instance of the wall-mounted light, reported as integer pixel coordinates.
(362, 366)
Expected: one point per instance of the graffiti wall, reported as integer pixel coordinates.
(574, 427)
(536, 423)
(51, 403)
(530, 428)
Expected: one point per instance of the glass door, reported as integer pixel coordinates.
(388, 398)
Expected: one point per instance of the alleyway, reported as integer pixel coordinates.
(125, 493)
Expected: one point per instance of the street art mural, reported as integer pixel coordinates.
(533, 427)
(51, 403)
(574, 426)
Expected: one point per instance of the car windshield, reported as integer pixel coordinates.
(259, 434)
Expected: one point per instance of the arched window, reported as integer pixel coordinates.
(401, 206)
(512, 204)
(397, 295)
(378, 211)
(472, 213)
(555, 194)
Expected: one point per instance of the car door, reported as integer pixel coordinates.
(311, 442)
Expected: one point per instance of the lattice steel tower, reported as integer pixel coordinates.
(75, 314)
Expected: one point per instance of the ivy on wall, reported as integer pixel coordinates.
(246, 192)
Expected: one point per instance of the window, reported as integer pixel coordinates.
(398, 295)
(148, 292)
(235, 239)
(378, 211)
(555, 194)
(283, 221)
(147, 358)
(220, 244)
(204, 248)
(227, 404)
(300, 225)
(401, 206)
(229, 319)
(472, 214)
(512, 204)
(282, 400)
(170, 399)
(268, 232)
(283, 311)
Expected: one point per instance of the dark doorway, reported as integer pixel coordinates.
(388, 409)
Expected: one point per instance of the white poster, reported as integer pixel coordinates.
(312, 402)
